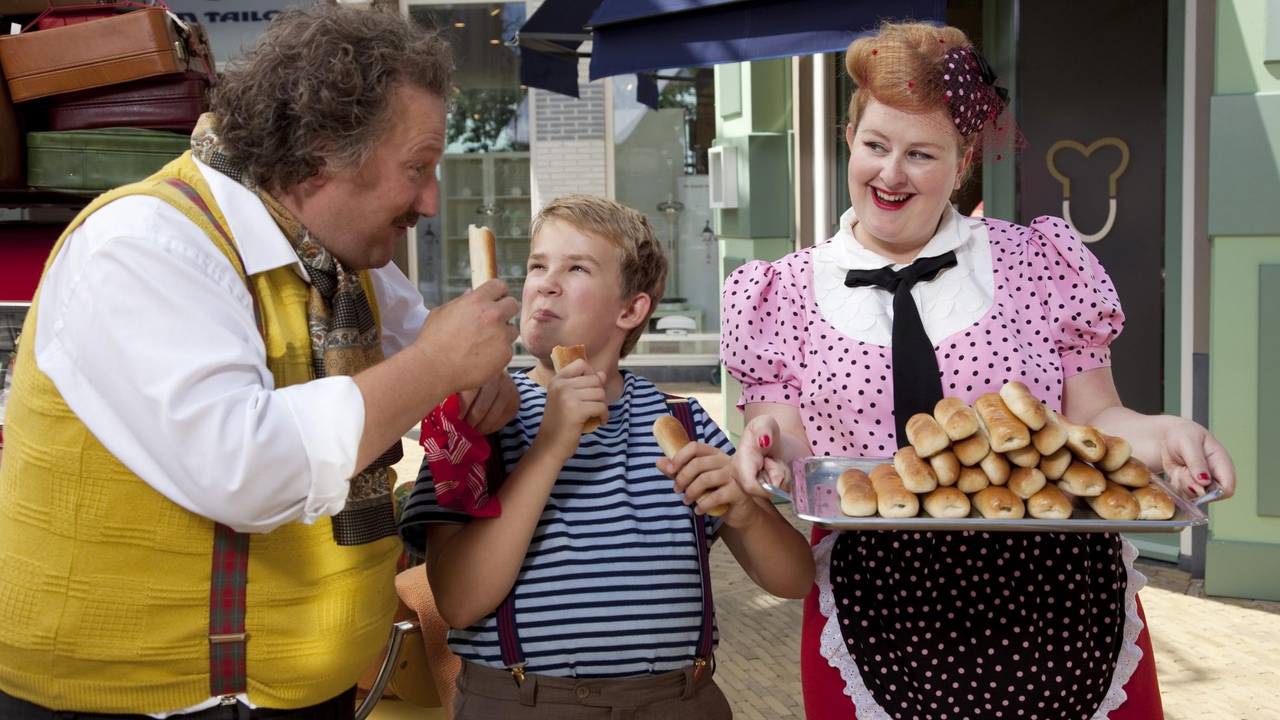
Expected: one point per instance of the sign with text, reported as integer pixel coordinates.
(232, 23)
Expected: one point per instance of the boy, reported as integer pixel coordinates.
(609, 608)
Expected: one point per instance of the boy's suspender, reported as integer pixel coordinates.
(509, 637)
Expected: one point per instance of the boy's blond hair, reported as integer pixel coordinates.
(644, 265)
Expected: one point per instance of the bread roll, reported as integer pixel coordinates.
(1115, 503)
(996, 468)
(1052, 436)
(1133, 473)
(926, 436)
(1027, 457)
(956, 418)
(671, 438)
(1118, 452)
(1024, 406)
(1004, 431)
(1049, 504)
(1025, 482)
(1056, 463)
(972, 449)
(562, 356)
(857, 496)
(999, 503)
(972, 480)
(947, 502)
(916, 474)
(1082, 480)
(484, 255)
(946, 466)
(1085, 441)
(892, 499)
(1153, 503)
(881, 471)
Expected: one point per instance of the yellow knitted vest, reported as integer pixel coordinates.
(104, 583)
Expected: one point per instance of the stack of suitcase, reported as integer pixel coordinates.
(97, 95)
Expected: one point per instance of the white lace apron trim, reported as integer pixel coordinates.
(834, 650)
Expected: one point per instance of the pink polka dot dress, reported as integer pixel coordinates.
(934, 624)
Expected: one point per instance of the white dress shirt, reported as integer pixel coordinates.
(957, 298)
(149, 334)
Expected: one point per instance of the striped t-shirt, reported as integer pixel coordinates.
(611, 585)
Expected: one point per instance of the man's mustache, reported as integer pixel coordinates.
(407, 219)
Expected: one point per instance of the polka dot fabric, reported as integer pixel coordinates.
(1054, 315)
(978, 625)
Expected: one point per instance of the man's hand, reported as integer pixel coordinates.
(489, 408)
(467, 341)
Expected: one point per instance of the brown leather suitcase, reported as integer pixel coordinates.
(167, 102)
(129, 46)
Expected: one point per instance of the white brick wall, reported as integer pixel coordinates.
(568, 143)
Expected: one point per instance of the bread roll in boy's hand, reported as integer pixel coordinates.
(671, 439)
(484, 255)
(562, 356)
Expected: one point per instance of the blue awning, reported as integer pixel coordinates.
(637, 36)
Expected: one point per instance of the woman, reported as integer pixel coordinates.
(835, 353)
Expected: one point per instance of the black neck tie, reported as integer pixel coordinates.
(916, 384)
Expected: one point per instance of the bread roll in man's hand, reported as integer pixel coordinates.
(483, 253)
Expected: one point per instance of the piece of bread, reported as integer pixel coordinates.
(947, 502)
(1052, 436)
(857, 496)
(1049, 504)
(916, 474)
(1154, 503)
(972, 480)
(996, 468)
(999, 503)
(1004, 431)
(956, 418)
(882, 470)
(1025, 482)
(1027, 457)
(1082, 480)
(893, 500)
(946, 466)
(1024, 406)
(1133, 473)
(1084, 440)
(1056, 463)
(1115, 503)
(926, 436)
(1118, 452)
(972, 449)
(671, 438)
(562, 356)
(484, 255)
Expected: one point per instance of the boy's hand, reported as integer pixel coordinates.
(575, 395)
(705, 474)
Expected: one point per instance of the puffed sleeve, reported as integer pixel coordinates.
(1079, 299)
(761, 335)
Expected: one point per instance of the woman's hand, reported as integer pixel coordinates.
(1193, 458)
(757, 452)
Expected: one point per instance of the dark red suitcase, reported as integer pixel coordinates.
(167, 102)
(13, 172)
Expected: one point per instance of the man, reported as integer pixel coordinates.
(195, 518)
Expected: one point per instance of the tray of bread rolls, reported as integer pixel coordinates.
(1009, 462)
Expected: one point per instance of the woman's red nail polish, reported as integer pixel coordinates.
(1204, 476)
(764, 441)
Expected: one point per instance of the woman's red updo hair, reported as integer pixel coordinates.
(901, 67)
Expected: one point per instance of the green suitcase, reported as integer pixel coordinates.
(89, 162)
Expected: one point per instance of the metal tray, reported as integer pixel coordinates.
(814, 498)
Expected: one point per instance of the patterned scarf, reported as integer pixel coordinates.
(344, 340)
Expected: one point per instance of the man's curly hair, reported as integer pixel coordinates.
(314, 92)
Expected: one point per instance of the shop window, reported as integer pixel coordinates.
(484, 175)
(660, 169)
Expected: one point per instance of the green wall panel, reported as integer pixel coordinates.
(1268, 387)
(1247, 570)
(1242, 31)
(1244, 164)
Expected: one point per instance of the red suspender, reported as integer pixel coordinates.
(230, 572)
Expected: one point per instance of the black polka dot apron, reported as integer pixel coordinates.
(954, 625)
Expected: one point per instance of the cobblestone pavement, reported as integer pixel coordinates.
(1217, 658)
